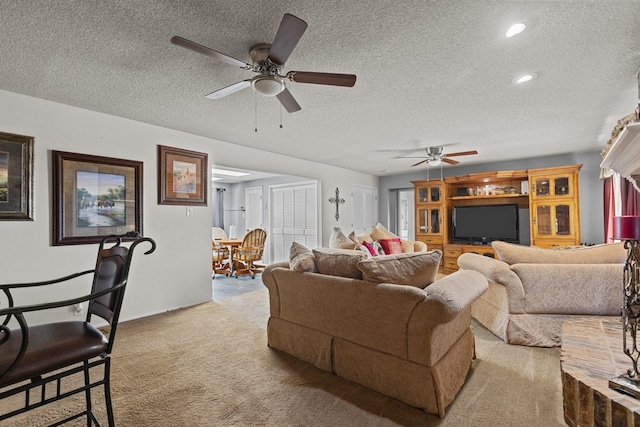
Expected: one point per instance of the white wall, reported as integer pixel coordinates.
(179, 272)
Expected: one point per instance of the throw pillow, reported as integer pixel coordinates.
(339, 241)
(377, 247)
(417, 269)
(611, 253)
(391, 246)
(379, 232)
(369, 247)
(338, 262)
(301, 259)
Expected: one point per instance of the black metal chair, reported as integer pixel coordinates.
(36, 356)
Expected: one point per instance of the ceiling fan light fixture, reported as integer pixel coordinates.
(435, 162)
(268, 85)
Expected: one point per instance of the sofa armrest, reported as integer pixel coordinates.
(498, 272)
(444, 316)
(270, 282)
(454, 293)
(413, 246)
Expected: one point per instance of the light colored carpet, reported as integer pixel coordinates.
(209, 365)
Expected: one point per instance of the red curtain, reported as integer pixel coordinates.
(609, 209)
(630, 199)
(630, 203)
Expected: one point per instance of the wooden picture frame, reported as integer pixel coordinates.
(94, 196)
(182, 177)
(16, 177)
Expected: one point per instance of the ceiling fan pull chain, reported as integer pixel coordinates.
(255, 102)
(280, 116)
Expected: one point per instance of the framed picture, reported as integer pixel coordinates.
(16, 177)
(94, 197)
(182, 177)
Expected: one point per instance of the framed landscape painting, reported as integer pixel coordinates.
(16, 177)
(94, 197)
(182, 177)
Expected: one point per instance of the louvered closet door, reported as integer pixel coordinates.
(294, 217)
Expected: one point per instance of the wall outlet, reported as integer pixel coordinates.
(78, 309)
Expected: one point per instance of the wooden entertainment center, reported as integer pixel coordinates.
(550, 194)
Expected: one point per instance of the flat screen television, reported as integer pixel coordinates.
(486, 223)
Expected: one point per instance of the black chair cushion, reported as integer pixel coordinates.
(51, 346)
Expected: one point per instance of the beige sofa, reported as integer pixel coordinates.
(412, 344)
(532, 290)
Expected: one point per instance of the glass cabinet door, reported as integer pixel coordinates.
(543, 220)
(423, 195)
(563, 220)
(435, 194)
(423, 220)
(561, 186)
(429, 220)
(542, 187)
(435, 221)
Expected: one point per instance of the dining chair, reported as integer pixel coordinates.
(251, 250)
(41, 356)
(220, 253)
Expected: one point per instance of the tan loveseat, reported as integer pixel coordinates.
(532, 290)
(412, 344)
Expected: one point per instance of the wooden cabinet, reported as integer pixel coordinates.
(550, 194)
(554, 206)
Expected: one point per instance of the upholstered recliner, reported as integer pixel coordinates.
(532, 290)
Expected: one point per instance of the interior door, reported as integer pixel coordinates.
(253, 208)
(364, 211)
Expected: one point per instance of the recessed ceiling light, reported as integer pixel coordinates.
(228, 172)
(216, 178)
(524, 78)
(515, 29)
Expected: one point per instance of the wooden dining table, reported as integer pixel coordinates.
(231, 243)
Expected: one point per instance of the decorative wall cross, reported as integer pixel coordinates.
(338, 201)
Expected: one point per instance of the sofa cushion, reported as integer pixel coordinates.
(391, 246)
(339, 241)
(417, 269)
(612, 253)
(339, 262)
(302, 259)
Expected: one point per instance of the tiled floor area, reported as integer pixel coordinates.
(225, 287)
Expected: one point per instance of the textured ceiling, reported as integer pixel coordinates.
(429, 72)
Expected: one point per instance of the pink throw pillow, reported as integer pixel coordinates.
(391, 246)
(369, 247)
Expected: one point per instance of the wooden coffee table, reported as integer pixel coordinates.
(591, 355)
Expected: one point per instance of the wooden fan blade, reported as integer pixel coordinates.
(288, 101)
(177, 40)
(229, 89)
(289, 33)
(347, 80)
(419, 163)
(461, 153)
(450, 161)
